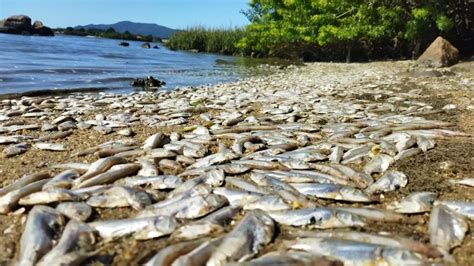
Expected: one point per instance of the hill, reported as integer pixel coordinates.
(134, 28)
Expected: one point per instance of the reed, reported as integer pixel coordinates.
(210, 40)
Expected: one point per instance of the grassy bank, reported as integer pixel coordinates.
(210, 40)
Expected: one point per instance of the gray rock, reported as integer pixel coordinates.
(440, 53)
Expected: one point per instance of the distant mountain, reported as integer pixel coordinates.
(134, 28)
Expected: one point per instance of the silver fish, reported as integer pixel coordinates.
(211, 224)
(332, 191)
(199, 255)
(62, 180)
(336, 154)
(75, 210)
(379, 164)
(464, 208)
(357, 253)
(388, 240)
(100, 166)
(291, 258)
(217, 158)
(121, 197)
(167, 255)
(390, 181)
(267, 203)
(154, 141)
(213, 178)
(49, 196)
(141, 228)
(246, 240)
(41, 226)
(245, 185)
(155, 182)
(424, 143)
(187, 208)
(10, 200)
(238, 197)
(23, 181)
(114, 173)
(148, 168)
(466, 182)
(14, 150)
(49, 146)
(321, 218)
(375, 214)
(447, 229)
(417, 202)
(73, 247)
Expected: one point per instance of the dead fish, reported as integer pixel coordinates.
(379, 164)
(359, 179)
(154, 141)
(80, 167)
(187, 208)
(284, 190)
(23, 181)
(148, 168)
(246, 240)
(121, 197)
(73, 247)
(100, 166)
(390, 181)
(355, 154)
(357, 253)
(199, 255)
(407, 153)
(466, 182)
(245, 185)
(49, 196)
(167, 255)
(375, 214)
(14, 150)
(171, 165)
(336, 154)
(107, 152)
(383, 239)
(424, 143)
(141, 228)
(104, 130)
(75, 210)
(262, 165)
(292, 258)
(267, 203)
(13, 139)
(321, 218)
(62, 180)
(114, 173)
(10, 200)
(464, 208)
(238, 197)
(55, 136)
(213, 178)
(417, 202)
(126, 132)
(49, 146)
(211, 224)
(332, 191)
(41, 227)
(447, 229)
(217, 158)
(160, 182)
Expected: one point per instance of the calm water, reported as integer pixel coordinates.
(67, 62)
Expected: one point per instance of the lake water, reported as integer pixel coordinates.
(69, 62)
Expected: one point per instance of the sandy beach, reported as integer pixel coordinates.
(316, 95)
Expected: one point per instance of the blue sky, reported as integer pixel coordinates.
(170, 13)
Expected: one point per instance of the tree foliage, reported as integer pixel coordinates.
(314, 27)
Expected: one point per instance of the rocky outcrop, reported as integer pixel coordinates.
(125, 44)
(148, 83)
(441, 53)
(146, 45)
(21, 24)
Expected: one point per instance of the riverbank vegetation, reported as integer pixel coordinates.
(211, 40)
(109, 34)
(338, 30)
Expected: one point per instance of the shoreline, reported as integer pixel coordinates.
(317, 94)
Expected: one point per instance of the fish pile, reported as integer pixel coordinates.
(234, 178)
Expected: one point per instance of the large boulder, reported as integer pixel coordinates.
(440, 53)
(38, 24)
(40, 29)
(18, 24)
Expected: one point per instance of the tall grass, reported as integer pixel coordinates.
(210, 40)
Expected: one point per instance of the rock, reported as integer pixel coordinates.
(148, 83)
(2, 23)
(156, 47)
(146, 45)
(125, 44)
(440, 53)
(38, 24)
(44, 31)
(18, 24)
